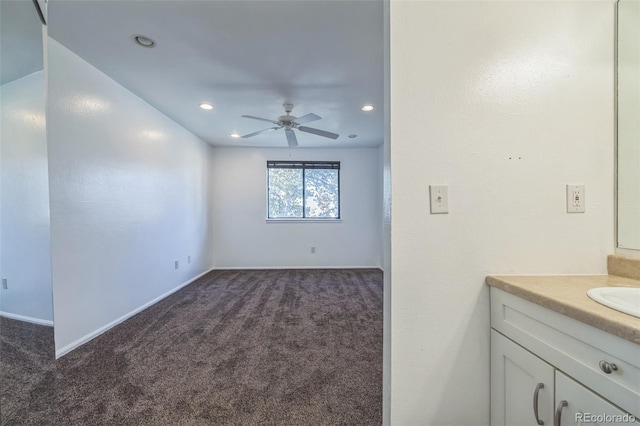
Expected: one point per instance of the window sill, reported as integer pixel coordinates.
(303, 220)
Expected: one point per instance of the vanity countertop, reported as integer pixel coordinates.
(567, 295)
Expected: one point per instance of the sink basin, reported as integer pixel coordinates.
(623, 299)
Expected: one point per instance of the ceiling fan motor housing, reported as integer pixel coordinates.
(286, 119)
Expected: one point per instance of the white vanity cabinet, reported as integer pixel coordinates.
(541, 358)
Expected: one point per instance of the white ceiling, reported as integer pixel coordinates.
(20, 40)
(244, 57)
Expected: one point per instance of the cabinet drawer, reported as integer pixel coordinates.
(572, 347)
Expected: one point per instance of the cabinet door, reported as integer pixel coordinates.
(584, 407)
(518, 379)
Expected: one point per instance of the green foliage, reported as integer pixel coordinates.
(285, 193)
(320, 193)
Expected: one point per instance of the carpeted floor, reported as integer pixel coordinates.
(277, 347)
(27, 373)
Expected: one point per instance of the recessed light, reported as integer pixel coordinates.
(235, 135)
(353, 136)
(206, 106)
(143, 41)
(367, 108)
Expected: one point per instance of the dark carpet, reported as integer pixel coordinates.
(27, 373)
(276, 347)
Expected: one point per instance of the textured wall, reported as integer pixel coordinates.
(243, 239)
(505, 102)
(26, 254)
(129, 195)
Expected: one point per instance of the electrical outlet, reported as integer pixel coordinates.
(575, 199)
(5, 284)
(176, 265)
(189, 259)
(313, 249)
(439, 195)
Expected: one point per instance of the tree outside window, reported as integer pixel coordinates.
(303, 190)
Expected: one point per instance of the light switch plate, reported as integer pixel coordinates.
(439, 195)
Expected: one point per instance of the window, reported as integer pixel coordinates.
(303, 190)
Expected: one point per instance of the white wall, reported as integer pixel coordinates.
(385, 156)
(26, 256)
(245, 240)
(505, 102)
(129, 196)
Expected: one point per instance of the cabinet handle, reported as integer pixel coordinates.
(607, 367)
(557, 420)
(535, 402)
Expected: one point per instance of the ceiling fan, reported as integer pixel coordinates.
(288, 122)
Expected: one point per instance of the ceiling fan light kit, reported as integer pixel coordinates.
(288, 122)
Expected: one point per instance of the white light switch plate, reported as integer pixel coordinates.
(439, 195)
(575, 199)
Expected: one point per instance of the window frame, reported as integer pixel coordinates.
(304, 165)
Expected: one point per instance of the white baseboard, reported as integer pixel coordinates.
(24, 318)
(81, 341)
(251, 268)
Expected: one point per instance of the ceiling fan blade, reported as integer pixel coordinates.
(260, 131)
(291, 138)
(318, 132)
(261, 119)
(307, 118)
